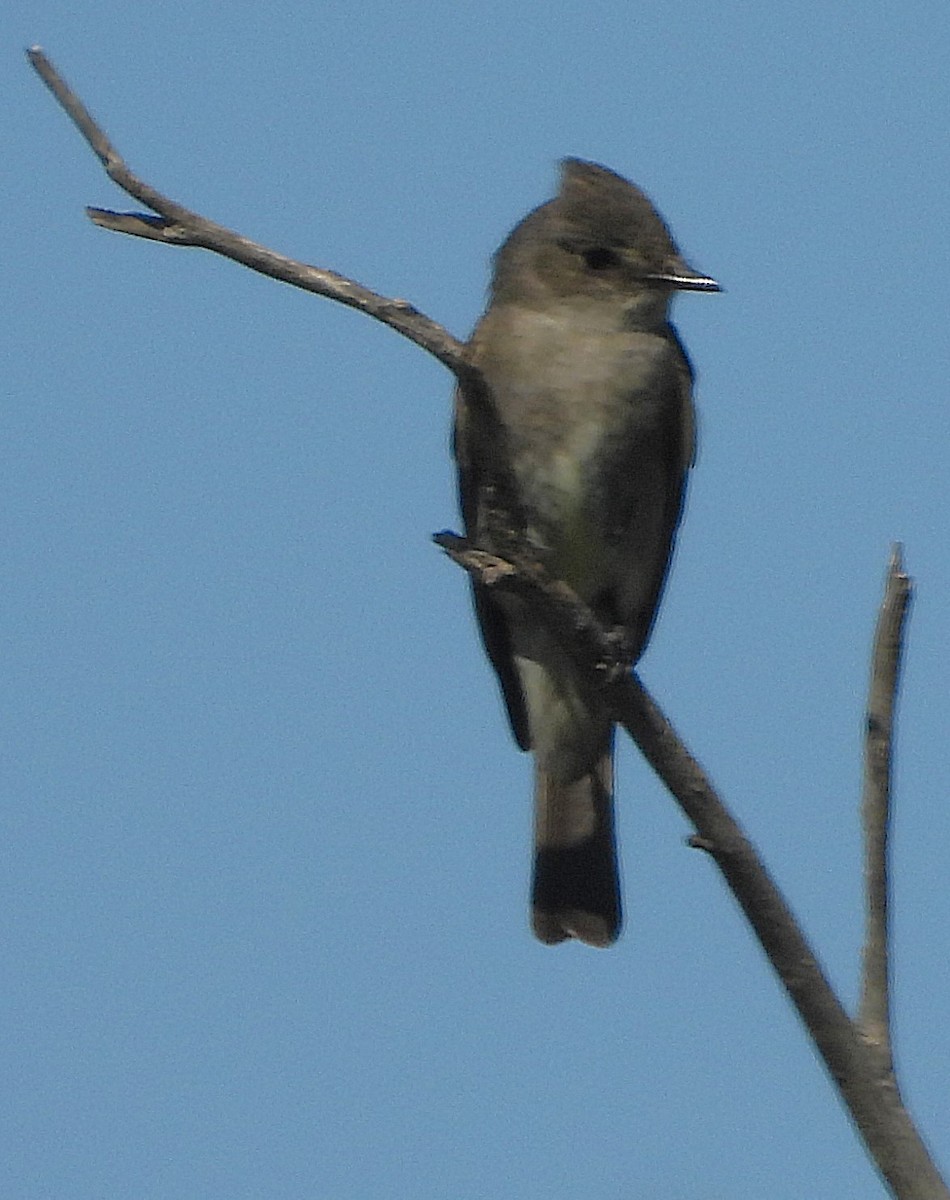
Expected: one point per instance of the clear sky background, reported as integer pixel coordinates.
(265, 837)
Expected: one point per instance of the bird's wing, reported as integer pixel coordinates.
(491, 618)
(674, 454)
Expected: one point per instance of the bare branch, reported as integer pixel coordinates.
(874, 1019)
(179, 226)
(870, 1094)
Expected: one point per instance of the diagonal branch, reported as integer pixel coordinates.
(869, 1093)
(176, 225)
(874, 1018)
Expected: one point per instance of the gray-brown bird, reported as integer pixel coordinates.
(594, 391)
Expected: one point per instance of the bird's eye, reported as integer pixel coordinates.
(600, 258)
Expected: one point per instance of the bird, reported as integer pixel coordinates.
(591, 394)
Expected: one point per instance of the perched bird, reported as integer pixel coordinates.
(592, 389)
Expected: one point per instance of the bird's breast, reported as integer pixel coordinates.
(578, 398)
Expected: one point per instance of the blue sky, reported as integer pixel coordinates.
(266, 838)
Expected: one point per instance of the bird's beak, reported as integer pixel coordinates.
(680, 275)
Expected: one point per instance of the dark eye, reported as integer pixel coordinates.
(600, 258)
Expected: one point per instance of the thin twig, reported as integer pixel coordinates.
(869, 1093)
(179, 226)
(874, 1018)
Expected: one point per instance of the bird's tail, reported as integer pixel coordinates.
(576, 887)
